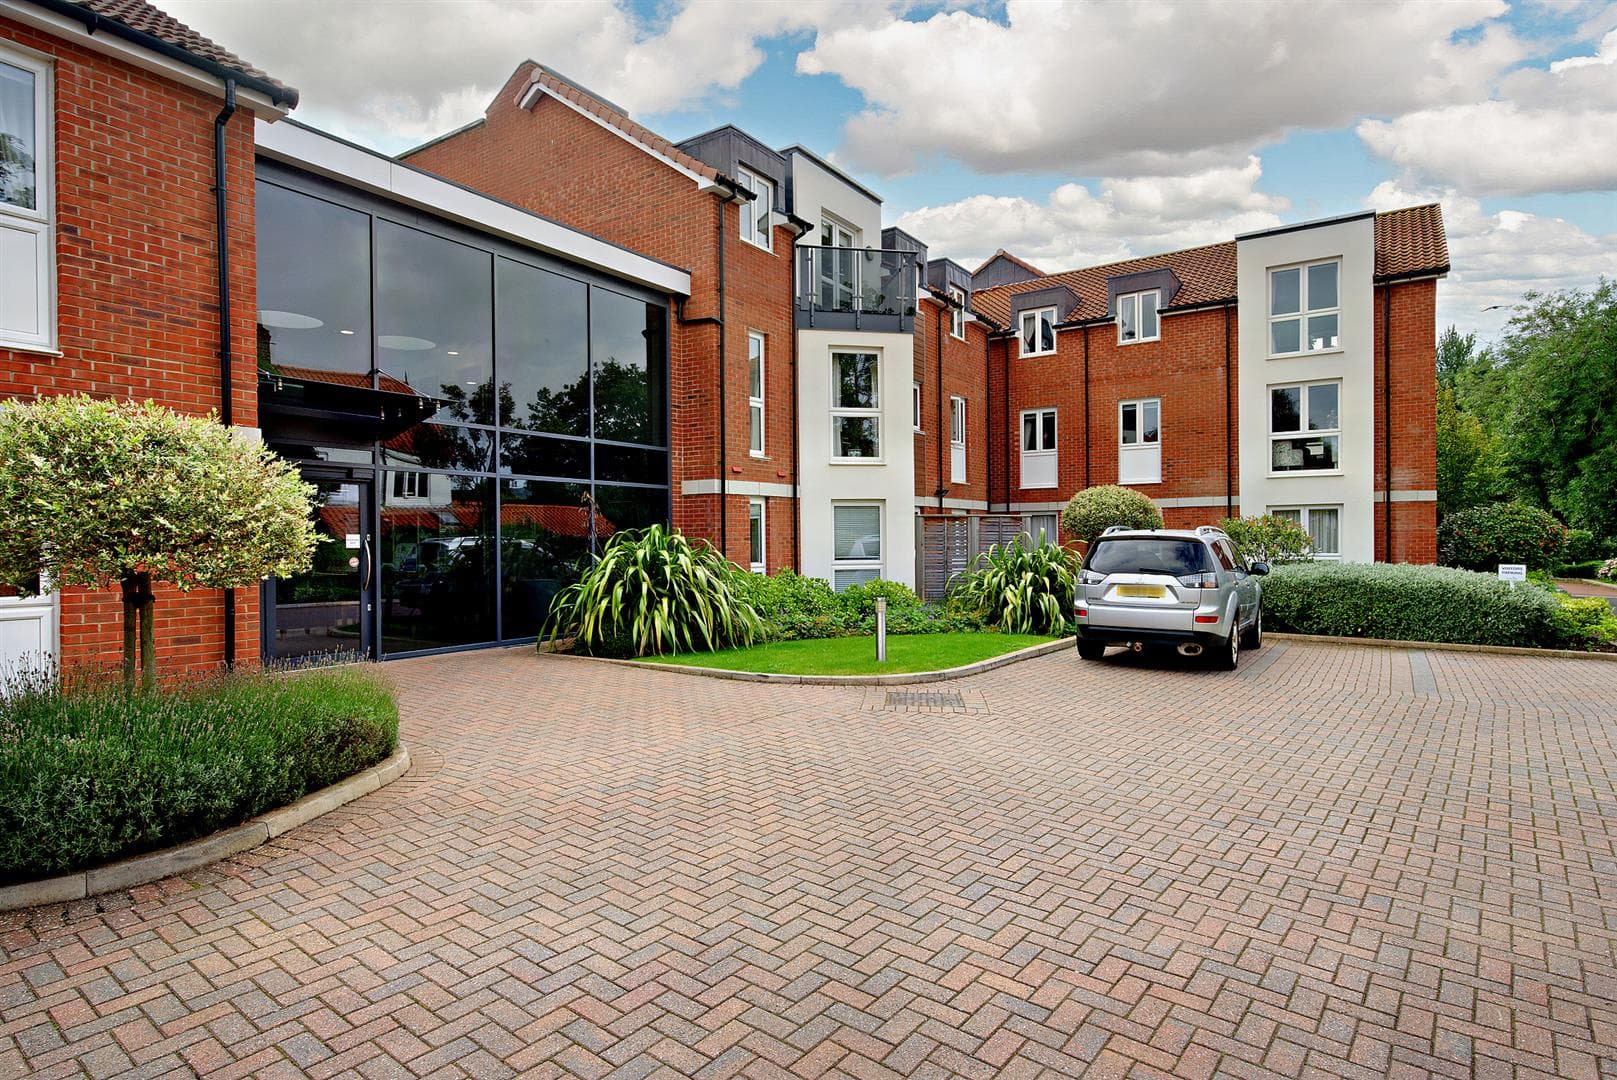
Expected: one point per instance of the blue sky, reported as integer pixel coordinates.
(1069, 133)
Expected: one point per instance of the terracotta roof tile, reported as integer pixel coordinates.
(613, 117)
(1408, 241)
(142, 16)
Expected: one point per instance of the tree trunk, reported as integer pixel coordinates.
(139, 636)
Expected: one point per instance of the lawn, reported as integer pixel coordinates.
(857, 655)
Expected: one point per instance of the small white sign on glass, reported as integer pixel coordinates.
(351, 541)
(1512, 572)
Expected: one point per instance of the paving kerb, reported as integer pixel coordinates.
(156, 865)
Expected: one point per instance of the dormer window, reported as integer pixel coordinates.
(1038, 331)
(957, 312)
(1137, 317)
(757, 217)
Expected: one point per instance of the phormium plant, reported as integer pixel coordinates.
(1020, 589)
(652, 592)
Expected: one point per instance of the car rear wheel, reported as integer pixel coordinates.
(1091, 650)
(1254, 633)
(1227, 657)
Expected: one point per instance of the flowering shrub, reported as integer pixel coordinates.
(1509, 532)
(1607, 571)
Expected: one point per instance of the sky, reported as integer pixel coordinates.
(1068, 133)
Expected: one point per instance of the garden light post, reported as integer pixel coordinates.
(881, 629)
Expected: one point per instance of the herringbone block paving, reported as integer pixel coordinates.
(1336, 861)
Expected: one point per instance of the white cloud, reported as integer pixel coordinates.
(1547, 130)
(392, 74)
(1497, 257)
(1120, 218)
(1146, 88)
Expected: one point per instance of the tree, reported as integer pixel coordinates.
(1093, 510)
(1468, 469)
(103, 493)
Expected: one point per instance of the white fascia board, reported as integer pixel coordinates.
(338, 160)
(537, 90)
(72, 30)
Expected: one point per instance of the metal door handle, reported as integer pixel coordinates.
(365, 558)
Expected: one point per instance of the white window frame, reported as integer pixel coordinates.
(756, 511)
(1303, 514)
(763, 190)
(1303, 312)
(1141, 449)
(1049, 539)
(839, 412)
(957, 315)
(915, 407)
(1021, 332)
(1134, 300)
(40, 221)
(855, 565)
(755, 403)
(1042, 452)
(957, 439)
(409, 484)
(1303, 431)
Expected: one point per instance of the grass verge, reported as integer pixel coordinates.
(89, 773)
(857, 655)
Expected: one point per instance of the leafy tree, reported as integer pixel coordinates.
(1558, 411)
(1468, 469)
(1269, 538)
(1457, 357)
(99, 493)
(1093, 510)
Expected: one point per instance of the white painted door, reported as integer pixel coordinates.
(27, 634)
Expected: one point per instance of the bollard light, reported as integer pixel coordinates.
(881, 630)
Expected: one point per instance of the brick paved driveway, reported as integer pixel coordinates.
(1342, 860)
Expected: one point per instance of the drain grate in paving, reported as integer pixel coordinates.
(925, 699)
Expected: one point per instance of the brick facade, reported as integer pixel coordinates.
(553, 161)
(137, 311)
(964, 373)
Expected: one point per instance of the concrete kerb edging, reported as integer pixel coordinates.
(156, 865)
(1446, 646)
(853, 680)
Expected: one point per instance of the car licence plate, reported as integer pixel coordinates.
(1154, 592)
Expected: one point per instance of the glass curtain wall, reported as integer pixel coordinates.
(551, 433)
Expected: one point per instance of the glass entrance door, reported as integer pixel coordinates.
(328, 612)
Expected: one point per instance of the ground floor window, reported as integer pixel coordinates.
(1323, 524)
(755, 535)
(1039, 448)
(1042, 529)
(856, 554)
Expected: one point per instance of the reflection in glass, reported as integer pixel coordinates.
(314, 260)
(539, 455)
(442, 446)
(1321, 286)
(628, 508)
(1323, 414)
(18, 182)
(543, 354)
(437, 567)
(1285, 291)
(317, 612)
(434, 318)
(630, 465)
(544, 546)
(1285, 409)
(626, 348)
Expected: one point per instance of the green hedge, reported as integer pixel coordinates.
(1410, 603)
(797, 608)
(89, 774)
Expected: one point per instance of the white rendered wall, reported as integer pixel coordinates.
(1352, 487)
(889, 480)
(816, 191)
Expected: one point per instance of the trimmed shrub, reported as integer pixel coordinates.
(1269, 538)
(1509, 532)
(90, 773)
(653, 592)
(1586, 620)
(1094, 510)
(1409, 603)
(796, 608)
(1020, 589)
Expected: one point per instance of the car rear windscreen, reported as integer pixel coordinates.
(1148, 555)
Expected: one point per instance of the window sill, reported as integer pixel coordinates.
(29, 347)
(1141, 341)
(1139, 483)
(757, 455)
(1031, 355)
(1338, 351)
(1305, 473)
(756, 244)
(1040, 487)
(857, 461)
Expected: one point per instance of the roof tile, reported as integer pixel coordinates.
(142, 16)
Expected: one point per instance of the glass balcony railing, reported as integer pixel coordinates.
(857, 288)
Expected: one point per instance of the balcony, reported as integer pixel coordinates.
(845, 288)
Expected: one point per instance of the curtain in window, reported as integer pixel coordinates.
(1324, 526)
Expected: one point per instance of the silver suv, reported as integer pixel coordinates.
(1184, 588)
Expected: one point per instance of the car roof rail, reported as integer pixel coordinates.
(1210, 530)
(1110, 529)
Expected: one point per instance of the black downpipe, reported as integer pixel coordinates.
(988, 422)
(1229, 446)
(1013, 433)
(222, 224)
(1087, 439)
(724, 402)
(937, 328)
(1386, 415)
(797, 501)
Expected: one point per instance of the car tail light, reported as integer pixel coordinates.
(1090, 577)
(1082, 613)
(1206, 580)
(1207, 618)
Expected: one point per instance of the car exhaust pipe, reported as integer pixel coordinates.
(1137, 646)
(1190, 648)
